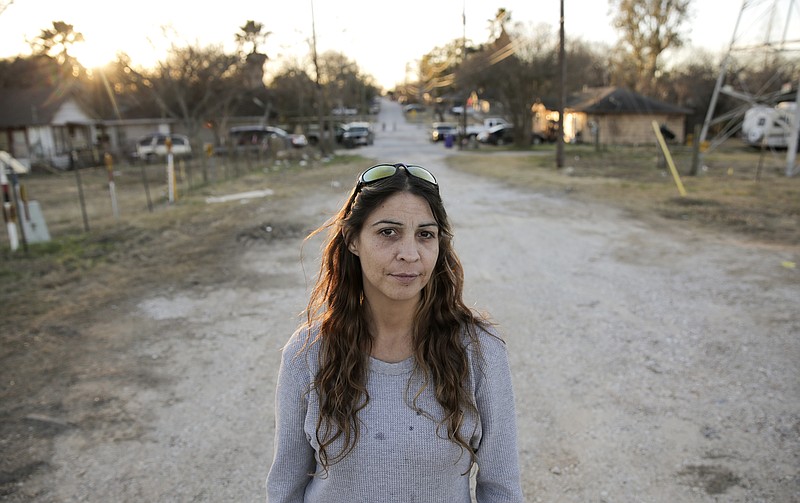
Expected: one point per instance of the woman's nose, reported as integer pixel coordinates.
(408, 250)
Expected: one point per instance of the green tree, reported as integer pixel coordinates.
(648, 27)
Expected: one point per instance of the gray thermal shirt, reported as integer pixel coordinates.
(400, 456)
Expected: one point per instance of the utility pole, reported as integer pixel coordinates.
(562, 98)
(323, 141)
(463, 136)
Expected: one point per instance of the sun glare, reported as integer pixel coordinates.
(93, 55)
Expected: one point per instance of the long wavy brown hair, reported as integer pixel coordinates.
(335, 313)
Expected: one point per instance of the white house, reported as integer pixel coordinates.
(40, 126)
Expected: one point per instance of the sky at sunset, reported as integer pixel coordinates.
(384, 38)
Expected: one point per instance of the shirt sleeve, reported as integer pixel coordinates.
(294, 462)
(498, 479)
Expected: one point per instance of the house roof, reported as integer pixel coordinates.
(32, 106)
(618, 100)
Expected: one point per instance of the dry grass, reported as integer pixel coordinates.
(142, 249)
(739, 190)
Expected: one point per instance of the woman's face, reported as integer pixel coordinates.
(398, 247)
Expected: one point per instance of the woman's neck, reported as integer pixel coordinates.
(392, 331)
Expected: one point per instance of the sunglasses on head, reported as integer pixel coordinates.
(381, 171)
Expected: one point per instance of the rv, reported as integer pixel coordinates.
(767, 126)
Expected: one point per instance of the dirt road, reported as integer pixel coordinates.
(651, 364)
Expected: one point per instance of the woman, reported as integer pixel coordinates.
(394, 389)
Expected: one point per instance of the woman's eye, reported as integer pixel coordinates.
(387, 232)
(427, 235)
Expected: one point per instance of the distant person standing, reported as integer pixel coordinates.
(393, 389)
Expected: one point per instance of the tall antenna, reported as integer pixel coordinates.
(755, 17)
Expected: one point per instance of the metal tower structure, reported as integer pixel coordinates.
(768, 28)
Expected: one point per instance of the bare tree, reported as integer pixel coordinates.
(437, 74)
(343, 81)
(588, 65)
(649, 27)
(690, 84)
(56, 42)
(294, 92)
(248, 40)
(31, 71)
(498, 24)
(515, 70)
(251, 34)
(5, 4)
(191, 84)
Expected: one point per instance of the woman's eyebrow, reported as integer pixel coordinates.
(401, 224)
(389, 222)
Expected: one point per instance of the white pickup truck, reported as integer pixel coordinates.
(474, 130)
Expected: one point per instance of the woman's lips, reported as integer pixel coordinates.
(405, 277)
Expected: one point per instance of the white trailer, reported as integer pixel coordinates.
(768, 126)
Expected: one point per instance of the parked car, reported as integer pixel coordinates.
(474, 130)
(357, 133)
(440, 130)
(500, 134)
(154, 145)
(258, 137)
(313, 136)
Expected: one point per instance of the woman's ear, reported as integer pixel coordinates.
(353, 247)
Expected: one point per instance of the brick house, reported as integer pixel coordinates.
(614, 116)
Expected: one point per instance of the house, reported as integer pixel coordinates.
(40, 126)
(613, 115)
